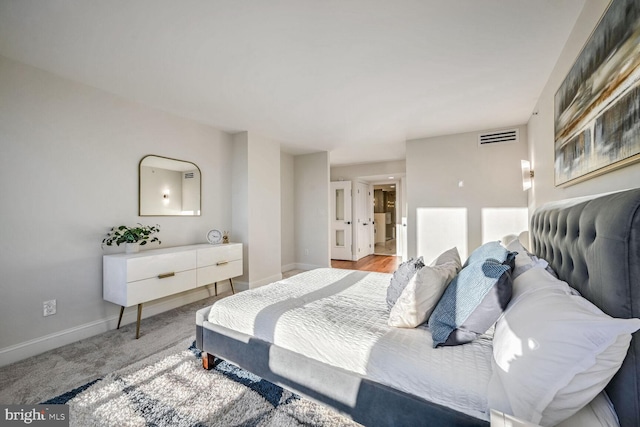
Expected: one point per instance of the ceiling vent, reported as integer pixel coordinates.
(188, 175)
(500, 136)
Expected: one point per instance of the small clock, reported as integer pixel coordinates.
(214, 236)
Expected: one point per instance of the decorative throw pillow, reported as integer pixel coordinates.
(450, 255)
(473, 301)
(420, 296)
(573, 348)
(401, 278)
(493, 250)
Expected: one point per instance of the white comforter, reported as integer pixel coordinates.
(339, 317)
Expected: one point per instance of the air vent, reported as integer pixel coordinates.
(510, 135)
(188, 175)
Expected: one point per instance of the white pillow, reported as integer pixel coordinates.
(537, 278)
(553, 351)
(508, 239)
(524, 260)
(422, 293)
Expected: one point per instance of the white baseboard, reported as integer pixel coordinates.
(265, 281)
(49, 342)
(287, 267)
(300, 266)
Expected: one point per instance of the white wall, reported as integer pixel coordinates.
(541, 126)
(352, 172)
(240, 201)
(312, 232)
(435, 166)
(68, 172)
(265, 238)
(256, 207)
(287, 212)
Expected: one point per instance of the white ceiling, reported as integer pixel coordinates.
(354, 77)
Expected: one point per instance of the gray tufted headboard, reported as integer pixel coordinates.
(594, 245)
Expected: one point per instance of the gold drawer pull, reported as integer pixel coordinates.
(165, 275)
(222, 262)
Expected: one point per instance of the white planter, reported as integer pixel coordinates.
(132, 248)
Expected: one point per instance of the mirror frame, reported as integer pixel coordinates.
(140, 187)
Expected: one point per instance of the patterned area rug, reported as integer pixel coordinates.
(172, 389)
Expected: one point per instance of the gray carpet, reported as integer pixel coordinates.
(42, 377)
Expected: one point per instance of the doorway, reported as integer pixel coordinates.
(385, 219)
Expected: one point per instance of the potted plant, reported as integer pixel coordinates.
(132, 237)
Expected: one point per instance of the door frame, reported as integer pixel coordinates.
(398, 216)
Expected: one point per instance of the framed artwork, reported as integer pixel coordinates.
(597, 107)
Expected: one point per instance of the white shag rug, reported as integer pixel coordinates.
(172, 389)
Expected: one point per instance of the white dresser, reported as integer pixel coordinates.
(133, 279)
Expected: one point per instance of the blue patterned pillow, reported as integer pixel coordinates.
(472, 302)
(493, 250)
(401, 278)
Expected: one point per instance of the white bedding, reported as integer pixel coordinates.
(339, 317)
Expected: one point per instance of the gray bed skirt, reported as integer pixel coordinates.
(363, 400)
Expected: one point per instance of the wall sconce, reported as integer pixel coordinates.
(165, 196)
(527, 174)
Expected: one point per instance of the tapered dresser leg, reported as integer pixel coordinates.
(232, 290)
(208, 360)
(215, 287)
(138, 324)
(120, 318)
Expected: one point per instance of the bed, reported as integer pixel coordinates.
(373, 374)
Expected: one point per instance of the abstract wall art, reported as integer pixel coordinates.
(597, 107)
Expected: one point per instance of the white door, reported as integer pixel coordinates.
(368, 203)
(364, 220)
(341, 220)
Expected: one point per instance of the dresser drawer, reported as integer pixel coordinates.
(150, 289)
(219, 253)
(148, 267)
(217, 273)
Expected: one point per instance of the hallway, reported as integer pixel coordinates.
(386, 248)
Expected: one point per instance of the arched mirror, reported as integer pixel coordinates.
(168, 187)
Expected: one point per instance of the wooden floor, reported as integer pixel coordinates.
(379, 263)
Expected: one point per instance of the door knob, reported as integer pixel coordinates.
(348, 222)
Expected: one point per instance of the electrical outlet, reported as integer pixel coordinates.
(49, 307)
